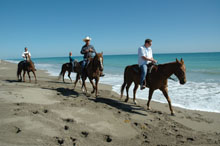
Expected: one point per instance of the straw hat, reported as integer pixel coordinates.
(87, 39)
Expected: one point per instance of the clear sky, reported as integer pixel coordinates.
(52, 28)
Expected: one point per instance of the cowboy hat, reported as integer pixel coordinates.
(87, 39)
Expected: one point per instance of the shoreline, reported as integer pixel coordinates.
(153, 100)
(52, 113)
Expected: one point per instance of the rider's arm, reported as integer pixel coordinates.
(93, 50)
(148, 59)
(83, 50)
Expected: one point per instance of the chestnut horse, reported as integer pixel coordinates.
(28, 67)
(93, 71)
(158, 79)
(68, 67)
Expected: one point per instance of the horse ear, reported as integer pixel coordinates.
(182, 60)
(102, 53)
(177, 60)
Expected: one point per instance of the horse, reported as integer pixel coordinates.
(68, 67)
(157, 79)
(26, 66)
(93, 71)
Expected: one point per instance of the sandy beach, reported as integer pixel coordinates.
(50, 113)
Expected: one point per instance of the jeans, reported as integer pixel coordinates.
(143, 73)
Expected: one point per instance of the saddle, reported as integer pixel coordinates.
(137, 69)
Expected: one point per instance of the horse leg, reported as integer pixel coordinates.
(84, 84)
(122, 89)
(151, 91)
(29, 76)
(127, 89)
(24, 76)
(93, 86)
(69, 73)
(165, 93)
(77, 78)
(35, 76)
(134, 93)
(63, 76)
(96, 84)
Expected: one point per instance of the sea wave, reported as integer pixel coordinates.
(201, 96)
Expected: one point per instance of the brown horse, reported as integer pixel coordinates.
(158, 79)
(93, 71)
(68, 67)
(26, 66)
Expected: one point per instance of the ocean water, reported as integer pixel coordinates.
(201, 92)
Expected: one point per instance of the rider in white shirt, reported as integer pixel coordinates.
(145, 56)
(25, 53)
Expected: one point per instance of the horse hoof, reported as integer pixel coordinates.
(126, 100)
(92, 92)
(135, 102)
(148, 108)
(172, 114)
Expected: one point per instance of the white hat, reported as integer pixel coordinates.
(87, 39)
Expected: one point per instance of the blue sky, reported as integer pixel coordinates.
(51, 28)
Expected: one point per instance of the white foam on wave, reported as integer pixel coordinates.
(201, 96)
(54, 70)
(12, 61)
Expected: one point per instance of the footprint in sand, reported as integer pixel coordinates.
(59, 140)
(73, 140)
(66, 127)
(84, 133)
(18, 130)
(107, 138)
(45, 111)
(68, 120)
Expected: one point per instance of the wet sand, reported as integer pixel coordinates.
(50, 113)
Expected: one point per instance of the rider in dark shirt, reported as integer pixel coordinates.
(88, 51)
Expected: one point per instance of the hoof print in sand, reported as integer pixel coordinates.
(190, 139)
(68, 120)
(73, 140)
(84, 133)
(108, 138)
(35, 112)
(18, 130)
(59, 140)
(45, 111)
(66, 127)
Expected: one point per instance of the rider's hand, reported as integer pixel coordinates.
(154, 61)
(90, 50)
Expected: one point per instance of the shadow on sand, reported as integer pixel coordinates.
(119, 105)
(13, 81)
(64, 91)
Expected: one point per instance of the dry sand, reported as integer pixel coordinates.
(51, 113)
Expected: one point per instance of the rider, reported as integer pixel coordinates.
(72, 60)
(145, 56)
(87, 50)
(25, 54)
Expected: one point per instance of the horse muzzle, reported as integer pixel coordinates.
(182, 82)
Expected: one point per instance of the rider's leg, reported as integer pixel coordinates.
(83, 67)
(143, 75)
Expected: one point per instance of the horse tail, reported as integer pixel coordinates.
(19, 70)
(61, 72)
(125, 81)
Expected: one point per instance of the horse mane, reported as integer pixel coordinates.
(160, 67)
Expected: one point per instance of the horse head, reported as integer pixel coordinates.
(98, 60)
(181, 71)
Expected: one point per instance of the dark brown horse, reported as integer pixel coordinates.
(93, 71)
(158, 79)
(68, 67)
(26, 66)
